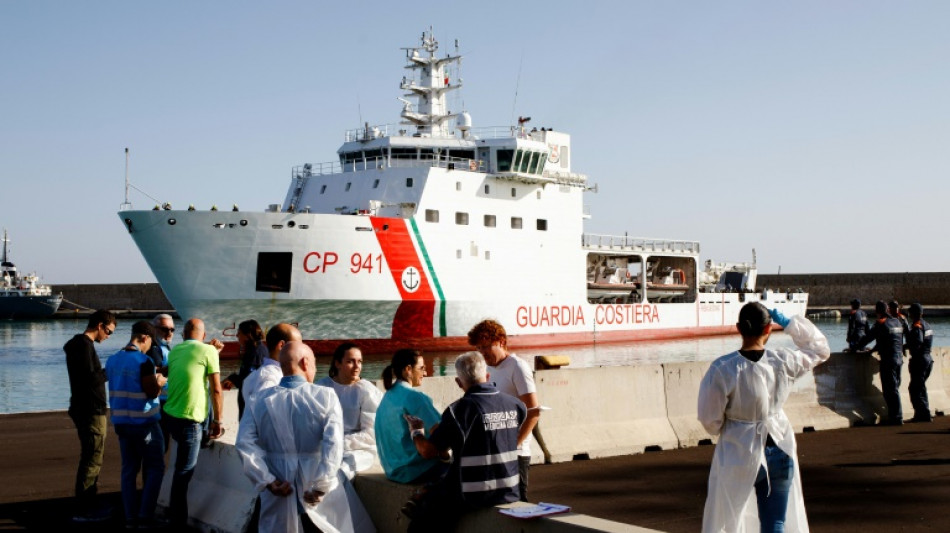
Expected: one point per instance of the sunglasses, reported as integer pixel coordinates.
(166, 330)
(108, 331)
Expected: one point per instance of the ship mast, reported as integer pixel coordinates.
(5, 241)
(428, 84)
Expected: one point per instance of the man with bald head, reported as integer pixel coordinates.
(193, 371)
(291, 444)
(269, 373)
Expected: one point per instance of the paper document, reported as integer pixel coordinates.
(535, 510)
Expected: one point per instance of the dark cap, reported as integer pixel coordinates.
(855, 303)
(893, 305)
(880, 307)
(916, 309)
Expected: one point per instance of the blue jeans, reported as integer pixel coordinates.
(142, 448)
(187, 433)
(774, 503)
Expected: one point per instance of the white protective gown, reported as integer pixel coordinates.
(294, 432)
(741, 401)
(359, 401)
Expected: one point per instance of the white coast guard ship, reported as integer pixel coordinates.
(420, 230)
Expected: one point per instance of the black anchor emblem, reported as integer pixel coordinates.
(409, 281)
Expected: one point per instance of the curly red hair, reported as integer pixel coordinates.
(487, 331)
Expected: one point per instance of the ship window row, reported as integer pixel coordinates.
(349, 184)
(404, 153)
(524, 161)
(489, 221)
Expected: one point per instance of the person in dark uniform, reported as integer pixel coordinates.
(481, 429)
(919, 340)
(858, 326)
(888, 332)
(894, 309)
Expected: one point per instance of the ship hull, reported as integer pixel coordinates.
(15, 307)
(393, 282)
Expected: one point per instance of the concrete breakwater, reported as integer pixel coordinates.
(147, 298)
(836, 290)
(595, 412)
(825, 291)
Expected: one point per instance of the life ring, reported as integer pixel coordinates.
(473, 165)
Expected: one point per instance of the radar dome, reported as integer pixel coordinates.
(464, 121)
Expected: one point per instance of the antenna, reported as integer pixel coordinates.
(359, 107)
(517, 85)
(126, 204)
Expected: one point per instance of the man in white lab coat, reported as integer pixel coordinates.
(291, 444)
(754, 472)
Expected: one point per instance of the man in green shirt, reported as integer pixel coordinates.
(193, 371)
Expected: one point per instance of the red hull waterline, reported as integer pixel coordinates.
(515, 342)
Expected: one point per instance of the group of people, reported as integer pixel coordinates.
(301, 439)
(893, 333)
(155, 392)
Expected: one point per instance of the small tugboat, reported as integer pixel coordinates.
(24, 296)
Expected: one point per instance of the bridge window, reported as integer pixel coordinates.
(432, 215)
(514, 192)
(504, 160)
(323, 189)
(462, 154)
(489, 221)
(487, 188)
(516, 223)
(375, 184)
(348, 185)
(409, 182)
(542, 224)
(533, 165)
(461, 218)
(404, 153)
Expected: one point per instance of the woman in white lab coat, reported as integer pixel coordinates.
(359, 399)
(754, 481)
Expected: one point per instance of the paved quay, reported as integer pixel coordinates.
(859, 479)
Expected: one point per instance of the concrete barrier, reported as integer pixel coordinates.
(681, 385)
(602, 412)
(383, 500)
(938, 386)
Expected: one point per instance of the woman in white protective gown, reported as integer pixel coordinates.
(754, 481)
(359, 399)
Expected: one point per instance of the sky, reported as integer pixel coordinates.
(815, 132)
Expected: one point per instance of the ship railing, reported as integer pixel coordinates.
(335, 167)
(392, 130)
(316, 169)
(638, 244)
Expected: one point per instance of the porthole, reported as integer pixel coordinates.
(291, 224)
(243, 222)
(172, 222)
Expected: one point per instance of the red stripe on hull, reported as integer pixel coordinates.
(515, 342)
(414, 317)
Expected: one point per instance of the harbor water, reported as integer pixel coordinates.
(33, 370)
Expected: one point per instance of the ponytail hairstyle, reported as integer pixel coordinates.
(338, 356)
(401, 359)
(753, 317)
